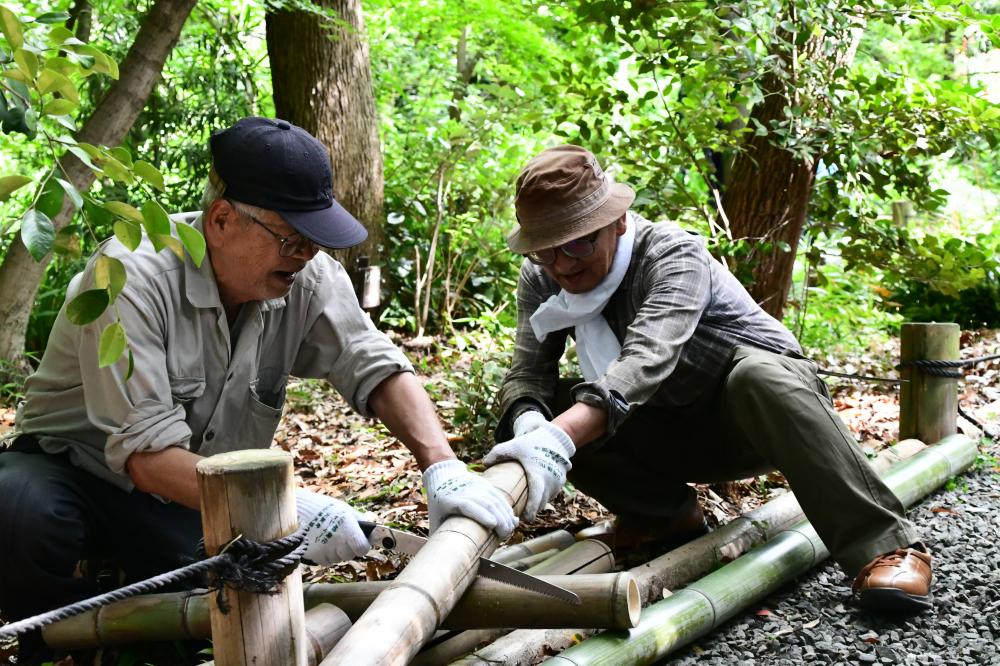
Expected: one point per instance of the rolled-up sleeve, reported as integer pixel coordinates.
(138, 413)
(343, 346)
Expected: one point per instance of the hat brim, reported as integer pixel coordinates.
(331, 227)
(558, 233)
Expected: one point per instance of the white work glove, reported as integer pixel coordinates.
(332, 531)
(453, 489)
(528, 421)
(544, 451)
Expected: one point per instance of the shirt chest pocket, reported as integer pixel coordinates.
(265, 399)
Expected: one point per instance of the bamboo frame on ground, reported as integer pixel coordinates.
(694, 611)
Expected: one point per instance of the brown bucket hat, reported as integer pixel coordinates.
(562, 194)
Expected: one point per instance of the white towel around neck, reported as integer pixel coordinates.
(596, 344)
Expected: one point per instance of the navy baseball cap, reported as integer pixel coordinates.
(273, 164)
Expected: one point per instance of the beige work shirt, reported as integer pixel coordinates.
(190, 386)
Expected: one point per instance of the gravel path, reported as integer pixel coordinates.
(814, 621)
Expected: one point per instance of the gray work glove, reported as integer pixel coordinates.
(332, 531)
(453, 489)
(544, 450)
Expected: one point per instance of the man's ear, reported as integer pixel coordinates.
(220, 220)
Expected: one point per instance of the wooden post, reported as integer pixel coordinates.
(251, 493)
(928, 405)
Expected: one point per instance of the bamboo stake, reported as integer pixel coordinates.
(679, 567)
(928, 405)
(696, 610)
(558, 540)
(406, 615)
(531, 560)
(251, 493)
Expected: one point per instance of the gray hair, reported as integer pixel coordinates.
(215, 189)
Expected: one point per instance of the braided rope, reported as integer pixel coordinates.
(241, 564)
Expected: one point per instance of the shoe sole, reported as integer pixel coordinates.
(888, 600)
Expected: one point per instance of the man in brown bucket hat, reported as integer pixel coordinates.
(685, 379)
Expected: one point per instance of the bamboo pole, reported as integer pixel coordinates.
(581, 558)
(526, 563)
(251, 493)
(406, 615)
(557, 539)
(928, 405)
(694, 611)
(679, 567)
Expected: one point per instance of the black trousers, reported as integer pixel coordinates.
(53, 515)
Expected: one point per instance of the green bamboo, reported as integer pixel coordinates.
(696, 610)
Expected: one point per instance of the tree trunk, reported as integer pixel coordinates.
(322, 81)
(20, 275)
(766, 193)
(765, 198)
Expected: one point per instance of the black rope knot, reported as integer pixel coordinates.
(251, 566)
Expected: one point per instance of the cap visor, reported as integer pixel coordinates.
(331, 227)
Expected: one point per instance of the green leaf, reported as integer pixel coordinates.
(149, 173)
(114, 169)
(27, 62)
(52, 17)
(131, 365)
(193, 241)
(37, 233)
(155, 219)
(83, 157)
(59, 107)
(87, 306)
(8, 184)
(50, 202)
(67, 242)
(122, 209)
(122, 155)
(112, 345)
(59, 34)
(71, 191)
(171, 244)
(11, 27)
(109, 273)
(129, 234)
(52, 81)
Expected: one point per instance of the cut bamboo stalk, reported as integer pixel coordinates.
(694, 611)
(251, 493)
(558, 539)
(406, 615)
(580, 559)
(928, 405)
(680, 566)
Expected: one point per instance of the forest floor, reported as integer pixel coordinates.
(344, 455)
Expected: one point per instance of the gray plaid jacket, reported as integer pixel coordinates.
(678, 315)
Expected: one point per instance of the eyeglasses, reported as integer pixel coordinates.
(290, 245)
(578, 248)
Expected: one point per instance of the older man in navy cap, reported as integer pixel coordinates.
(103, 463)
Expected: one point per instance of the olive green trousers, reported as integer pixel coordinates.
(770, 412)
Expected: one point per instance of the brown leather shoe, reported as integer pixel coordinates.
(637, 532)
(896, 582)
